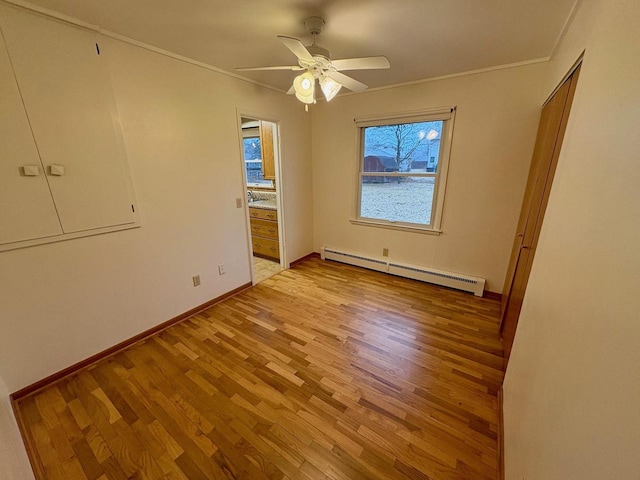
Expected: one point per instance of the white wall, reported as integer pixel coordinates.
(62, 302)
(572, 389)
(495, 128)
(14, 464)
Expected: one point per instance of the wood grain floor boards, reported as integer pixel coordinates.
(324, 371)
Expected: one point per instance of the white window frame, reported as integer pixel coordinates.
(444, 114)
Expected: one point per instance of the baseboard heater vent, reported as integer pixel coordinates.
(458, 281)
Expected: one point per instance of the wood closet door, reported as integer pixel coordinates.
(553, 123)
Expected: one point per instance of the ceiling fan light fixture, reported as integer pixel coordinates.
(329, 87)
(304, 86)
(316, 63)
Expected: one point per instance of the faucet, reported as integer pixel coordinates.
(250, 196)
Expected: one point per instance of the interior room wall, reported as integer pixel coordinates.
(572, 388)
(14, 464)
(493, 138)
(63, 302)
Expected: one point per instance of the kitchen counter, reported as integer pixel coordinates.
(264, 204)
(263, 200)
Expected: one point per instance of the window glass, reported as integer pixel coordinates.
(404, 147)
(400, 170)
(253, 161)
(398, 199)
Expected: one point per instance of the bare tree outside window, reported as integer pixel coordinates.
(398, 141)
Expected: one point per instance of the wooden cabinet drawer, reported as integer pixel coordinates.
(264, 228)
(266, 247)
(263, 214)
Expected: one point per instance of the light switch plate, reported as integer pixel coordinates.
(238, 202)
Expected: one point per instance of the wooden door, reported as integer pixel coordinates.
(268, 156)
(553, 123)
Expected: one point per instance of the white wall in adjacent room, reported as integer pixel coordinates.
(572, 388)
(495, 128)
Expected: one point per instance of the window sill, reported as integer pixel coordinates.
(395, 226)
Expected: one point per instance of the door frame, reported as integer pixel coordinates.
(277, 154)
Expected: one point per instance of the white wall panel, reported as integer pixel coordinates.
(62, 302)
(69, 101)
(493, 137)
(26, 207)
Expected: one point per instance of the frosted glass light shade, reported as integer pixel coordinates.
(330, 87)
(304, 86)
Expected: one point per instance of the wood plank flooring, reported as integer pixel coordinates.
(324, 371)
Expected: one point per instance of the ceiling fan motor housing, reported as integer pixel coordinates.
(314, 25)
(317, 51)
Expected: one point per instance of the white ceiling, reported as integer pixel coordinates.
(422, 38)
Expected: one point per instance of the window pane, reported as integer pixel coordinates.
(252, 148)
(253, 161)
(404, 147)
(398, 199)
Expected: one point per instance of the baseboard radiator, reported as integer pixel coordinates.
(458, 281)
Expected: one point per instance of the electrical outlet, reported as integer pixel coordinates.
(385, 252)
(196, 281)
(238, 202)
(221, 270)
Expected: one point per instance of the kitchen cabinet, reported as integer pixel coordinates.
(264, 233)
(63, 162)
(268, 154)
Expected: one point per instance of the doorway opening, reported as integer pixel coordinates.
(261, 176)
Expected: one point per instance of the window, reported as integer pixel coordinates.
(252, 151)
(403, 163)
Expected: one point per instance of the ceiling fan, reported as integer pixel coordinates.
(316, 63)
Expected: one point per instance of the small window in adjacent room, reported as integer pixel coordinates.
(252, 152)
(403, 168)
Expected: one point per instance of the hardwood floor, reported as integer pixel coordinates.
(322, 371)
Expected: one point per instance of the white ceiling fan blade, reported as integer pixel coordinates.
(350, 83)
(363, 63)
(275, 67)
(296, 46)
